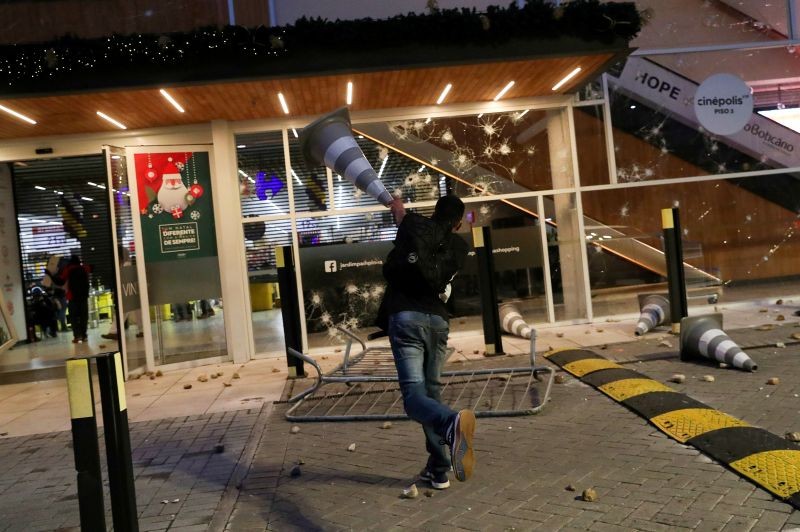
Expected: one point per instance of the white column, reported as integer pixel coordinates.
(570, 238)
(230, 244)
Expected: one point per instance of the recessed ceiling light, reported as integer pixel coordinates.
(283, 103)
(523, 113)
(18, 115)
(504, 90)
(171, 100)
(294, 132)
(37, 187)
(566, 78)
(349, 92)
(108, 118)
(443, 95)
(240, 146)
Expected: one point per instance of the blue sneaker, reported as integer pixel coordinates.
(459, 437)
(438, 481)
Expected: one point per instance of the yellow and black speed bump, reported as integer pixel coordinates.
(766, 459)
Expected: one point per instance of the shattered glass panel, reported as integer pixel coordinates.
(657, 134)
(736, 244)
(590, 140)
(484, 155)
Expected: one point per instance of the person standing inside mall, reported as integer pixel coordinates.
(413, 313)
(76, 277)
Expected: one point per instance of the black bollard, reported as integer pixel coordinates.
(85, 446)
(290, 308)
(118, 442)
(676, 282)
(492, 332)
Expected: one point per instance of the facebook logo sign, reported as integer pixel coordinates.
(330, 266)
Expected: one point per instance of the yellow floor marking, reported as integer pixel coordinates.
(627, 388)
(777, 471)
(687, 423)
(579, 368)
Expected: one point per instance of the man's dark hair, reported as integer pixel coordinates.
(449, 209)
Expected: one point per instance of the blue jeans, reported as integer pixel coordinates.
(419, 345)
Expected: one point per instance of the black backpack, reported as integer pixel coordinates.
(420, 261)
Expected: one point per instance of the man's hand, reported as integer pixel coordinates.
(398, 210)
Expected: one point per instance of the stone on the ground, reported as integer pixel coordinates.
(236, 376)
(428, 493)
(763, 310)
(475, 351)
(202, 377)
(164, 501)
(766, 327)
(795, 336)
(300, 461)
(295, 472)
(780, 317)
(295, 429)
(187, 386)
(560, 335)
(664, 343)
(214, 375)
(410, 492)
(220, 374)
(226, 384)
(351, 447)
(152, 377)
(708, 378)
(589, 495)
(218, 448)
(570, 487)
(780, 344)
(774, 381)
(679, 378)
(275, 370)
(779, 302)
(159, 373)
(386, 425)
(723, 365)
(560, 378)
(793, 436)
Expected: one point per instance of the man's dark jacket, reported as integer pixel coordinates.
(411, 290)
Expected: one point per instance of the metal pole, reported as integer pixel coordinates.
(492, 333)
(676, 282)
(85, 446)
(290, 308)
(118, 442)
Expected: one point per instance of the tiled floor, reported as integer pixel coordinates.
(42, 406)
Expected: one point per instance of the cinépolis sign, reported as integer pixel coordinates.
(723, 104)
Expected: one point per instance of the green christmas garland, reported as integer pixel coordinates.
(311, 45)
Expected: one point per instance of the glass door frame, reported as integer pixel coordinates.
(141, 263)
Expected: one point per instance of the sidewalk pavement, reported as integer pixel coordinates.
(644, 480)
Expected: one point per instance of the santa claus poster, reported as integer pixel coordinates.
(175, 205)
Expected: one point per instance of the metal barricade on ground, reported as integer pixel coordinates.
(365, 387)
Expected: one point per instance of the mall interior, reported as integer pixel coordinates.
(175, 185)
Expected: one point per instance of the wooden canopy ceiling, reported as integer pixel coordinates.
(312, 95)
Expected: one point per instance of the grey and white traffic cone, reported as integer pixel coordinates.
(654, 309)
(512, 322)
(703, 336)
(329, 141)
